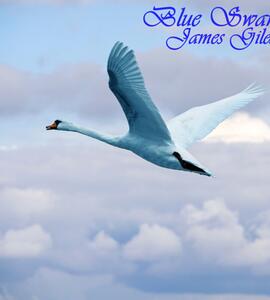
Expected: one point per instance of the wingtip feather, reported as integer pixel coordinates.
(255, 90)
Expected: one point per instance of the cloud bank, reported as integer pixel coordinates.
(134, 236)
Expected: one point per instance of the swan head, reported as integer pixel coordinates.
(54, 125)
(60, 125)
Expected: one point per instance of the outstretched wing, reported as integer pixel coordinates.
(198, 122)
(127, 84)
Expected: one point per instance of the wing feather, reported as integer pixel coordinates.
(127, 84)
(198, 122)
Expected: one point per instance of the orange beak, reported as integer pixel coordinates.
(51, 127)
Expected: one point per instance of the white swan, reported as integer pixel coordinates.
(149, 136)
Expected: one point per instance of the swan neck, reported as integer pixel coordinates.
(96, 135)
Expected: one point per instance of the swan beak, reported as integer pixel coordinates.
(51, 127)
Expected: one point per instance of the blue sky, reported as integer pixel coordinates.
(82, 220)
(53, 35)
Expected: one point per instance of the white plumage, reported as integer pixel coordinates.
(149, 136)
(198, 122)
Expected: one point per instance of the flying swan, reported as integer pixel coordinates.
(149, 136)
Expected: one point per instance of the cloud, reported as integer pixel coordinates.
(216, 234)
(67, 88)
(27, 242)
(97, 213)
(83, 89)
(184, 86)
(69, 286)
(102, 243)
(24, 202)
(153, 243)
(241, 128)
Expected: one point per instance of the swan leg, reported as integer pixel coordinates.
(188, 165)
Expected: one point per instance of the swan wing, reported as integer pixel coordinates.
(198, 122)
(127, 84)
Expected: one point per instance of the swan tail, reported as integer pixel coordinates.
(191, 164)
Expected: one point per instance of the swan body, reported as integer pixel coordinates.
(157, 153)
(149, 136)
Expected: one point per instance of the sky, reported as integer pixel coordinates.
(84, 220)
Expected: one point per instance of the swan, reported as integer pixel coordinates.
(149, 136)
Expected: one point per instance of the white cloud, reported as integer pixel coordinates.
(153, 243)
(26, 201)
(100, 254)
(103, 243)
(241, 128)
(28, 242)
(84, 207)
(216, 234)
